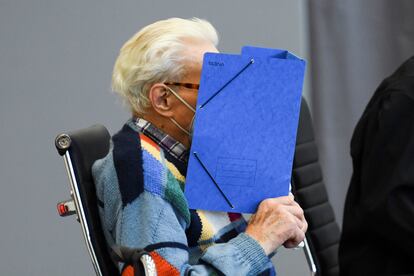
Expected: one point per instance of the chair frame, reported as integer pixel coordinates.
(309, 258)
(62, 143)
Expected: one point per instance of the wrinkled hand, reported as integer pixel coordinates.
(278, 221)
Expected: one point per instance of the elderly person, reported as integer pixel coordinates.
(140, 182)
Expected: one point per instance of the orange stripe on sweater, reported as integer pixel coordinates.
(163, 267)
(128, 271)
(149, 141)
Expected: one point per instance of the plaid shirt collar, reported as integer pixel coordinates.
(165, 141)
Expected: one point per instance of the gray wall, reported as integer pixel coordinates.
(56, 59)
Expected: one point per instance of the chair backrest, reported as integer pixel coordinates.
(84, 147)
(310, 192)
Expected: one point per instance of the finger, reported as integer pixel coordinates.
(290, 200)
(295, 210)
(300, 223)
(289, 244)
(285, 200)
(295, 240)
(305, 226)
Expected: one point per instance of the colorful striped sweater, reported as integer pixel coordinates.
(140, 189)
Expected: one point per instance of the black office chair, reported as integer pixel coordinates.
(80, 149)
(309, 189)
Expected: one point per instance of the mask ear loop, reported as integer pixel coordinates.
(180, 127)
(187, 105)
(181, 99)
(192, 126)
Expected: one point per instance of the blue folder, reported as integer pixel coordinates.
(244, 130)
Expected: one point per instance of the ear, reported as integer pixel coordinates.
(160, 99)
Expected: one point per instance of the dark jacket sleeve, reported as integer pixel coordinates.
(387, 172)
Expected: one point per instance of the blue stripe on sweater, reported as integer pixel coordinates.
(154, 175)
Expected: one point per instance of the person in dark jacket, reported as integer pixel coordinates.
(378, 227)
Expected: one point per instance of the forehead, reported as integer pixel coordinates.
(195, 49)
(194, 54)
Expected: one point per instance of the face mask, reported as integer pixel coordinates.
(189, 133)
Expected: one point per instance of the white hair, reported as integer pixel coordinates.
(156, 54)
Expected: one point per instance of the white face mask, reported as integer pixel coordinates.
(190, 131)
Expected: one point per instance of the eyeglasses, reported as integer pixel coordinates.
(186, 85)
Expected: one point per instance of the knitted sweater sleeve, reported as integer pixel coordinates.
(154, 220)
